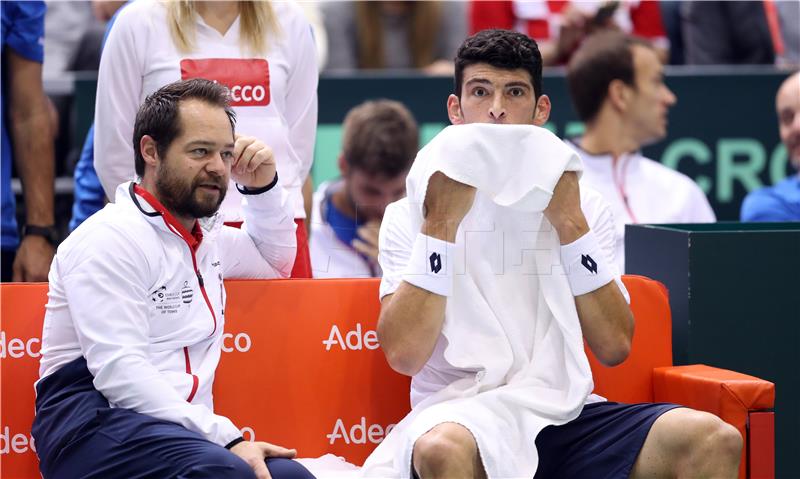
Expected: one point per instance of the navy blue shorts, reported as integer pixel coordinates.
(79, 436)
(602, 442)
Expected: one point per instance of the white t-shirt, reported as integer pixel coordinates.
(395, 244)
(274, 96)
(330, 257)
(641, 190)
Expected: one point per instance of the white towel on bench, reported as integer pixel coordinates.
(512, 316)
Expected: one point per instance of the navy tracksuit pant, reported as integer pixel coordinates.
(79, 436)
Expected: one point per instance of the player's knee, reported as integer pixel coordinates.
(282, 468)
(727, 440)
(710, 436)
(442, 447)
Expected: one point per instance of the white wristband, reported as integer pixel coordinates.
(586, 265)
(430, 266)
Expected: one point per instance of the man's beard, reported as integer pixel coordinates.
(187, 200)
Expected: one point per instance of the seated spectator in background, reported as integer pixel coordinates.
(423, 35)
(781, 202)
(134, 321)
(380, 142)
(559, 27)
(727, 33)
(28, 139)
(617, 87)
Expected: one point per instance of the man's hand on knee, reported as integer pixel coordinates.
(254, 453)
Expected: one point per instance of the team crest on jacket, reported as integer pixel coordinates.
(187, 293)
(168, 301)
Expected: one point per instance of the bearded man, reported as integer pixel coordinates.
(134, 322)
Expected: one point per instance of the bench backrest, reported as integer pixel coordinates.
(301, 365)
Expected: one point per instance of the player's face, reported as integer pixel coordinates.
(370, 194)
(787, 104)
(497, 95)
(651, 99)
(192, 178)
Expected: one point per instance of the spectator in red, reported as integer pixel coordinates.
(559, 26)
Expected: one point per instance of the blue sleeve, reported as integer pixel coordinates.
(23, 28)
(763, 206)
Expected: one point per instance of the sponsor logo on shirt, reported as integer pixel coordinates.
(247, 79)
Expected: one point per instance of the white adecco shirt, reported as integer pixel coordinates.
(130, 294)
(330, 258)
(396, 241)
(274, 96)
(641, 190)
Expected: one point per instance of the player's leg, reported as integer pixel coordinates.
(688, 443)
(447, 450)
(602, 442)
(282, 468)
(126, 444)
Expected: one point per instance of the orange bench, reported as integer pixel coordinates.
(301, 366)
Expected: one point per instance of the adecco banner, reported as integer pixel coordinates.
(301, 367)
(21, 314)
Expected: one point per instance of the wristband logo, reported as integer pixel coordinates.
(436, 262)
(589, 263)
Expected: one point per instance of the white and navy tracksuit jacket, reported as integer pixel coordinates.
(142, 300)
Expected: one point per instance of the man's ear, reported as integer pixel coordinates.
(542, 112)
(149, 149)
(344, 168)
(454, 110)
(618, 94)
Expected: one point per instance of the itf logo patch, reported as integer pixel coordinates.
(247, 79)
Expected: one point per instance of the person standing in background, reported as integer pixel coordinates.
(727, 33)
(423, 35)
(781, 202)
(263, 52)
(28, 138)
(381, 139)
(616, 83)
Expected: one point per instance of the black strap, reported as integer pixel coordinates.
(234, 442)
(249, 191)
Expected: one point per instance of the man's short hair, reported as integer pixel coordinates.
(380, 137)
(601, 58)
(501, 49)
(158, 115)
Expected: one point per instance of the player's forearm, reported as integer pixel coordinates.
(33, 153)
(607, 323)
(409, 326)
